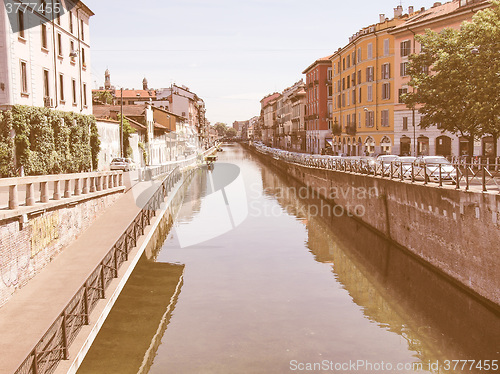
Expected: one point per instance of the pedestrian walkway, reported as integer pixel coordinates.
(32, 310)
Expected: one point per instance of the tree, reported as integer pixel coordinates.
(453, 86)
(221, 129)
(231, 132)
(127, 131)
(102, 97)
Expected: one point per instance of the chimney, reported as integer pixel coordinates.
(422, 9)
(436, 4)
(398, 11)
(382, 18)
(410, 9)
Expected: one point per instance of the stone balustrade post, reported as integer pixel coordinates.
(57, 190)
(67, 188)
(104, 182)
(110, 181)
(92, 184)
(78, 191)
(85, 186)
(13, 197)
(44, 192)
(30, 194)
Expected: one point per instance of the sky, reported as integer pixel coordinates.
(230, 53)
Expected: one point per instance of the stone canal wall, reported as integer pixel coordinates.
(458, 232)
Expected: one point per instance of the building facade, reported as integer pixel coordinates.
(409, 138)
(45, 55)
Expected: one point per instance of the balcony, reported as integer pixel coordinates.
(350, 129)
(336, 129)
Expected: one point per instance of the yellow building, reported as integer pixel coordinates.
(364, 90)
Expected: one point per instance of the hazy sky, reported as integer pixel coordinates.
(230, 53)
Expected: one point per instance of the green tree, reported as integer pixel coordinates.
(221, 128)
(455, 79)
(127, 131)
(102, 97)
(231, 132)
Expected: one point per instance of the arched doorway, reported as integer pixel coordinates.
(360, 147)
(423, 146)
(386, 145)
(370, 145)
(349, 147)
(343, 146)
(443, 145)
(405, 146)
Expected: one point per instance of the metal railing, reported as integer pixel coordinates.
(466, 176)
(53, 347)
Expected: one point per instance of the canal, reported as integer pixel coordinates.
(258, 275)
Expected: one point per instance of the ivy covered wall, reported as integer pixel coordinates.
(47, 141)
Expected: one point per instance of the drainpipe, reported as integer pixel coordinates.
(55, 62)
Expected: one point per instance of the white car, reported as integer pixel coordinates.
(435, 167)
(119, 163)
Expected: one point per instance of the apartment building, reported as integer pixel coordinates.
(363, 85)
(318, 121)
(269, 118)
(45, 55)
(409, 138)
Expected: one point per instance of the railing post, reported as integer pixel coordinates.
(64, 337)
(57, 190)
(30, 194)
(86, 302)
(98, 183)
(483, 177)
(457, 171)
(44, 192)
(412, 172)
(115, 260)
(440, 176)
(425, 174)
(85, 189)
(401, 171)
(102, 280)
(35, 361)
(466, 177)
(392, 169)
(13, 197)
(77, 187)
(67, 188)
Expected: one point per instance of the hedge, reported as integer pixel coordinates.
(47, 141)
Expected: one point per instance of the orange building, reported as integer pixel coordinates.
(363, 84)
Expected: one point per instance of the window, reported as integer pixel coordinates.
(343, 63)
(386, 91)
(369, 93)
(401, 92)
(343, 83)
(359, 97)
(338, 86)
(82, 30)
(72, 49)
(359, 76)
(61, 87)
(73, 90)
(44, 36)
(84, 63)
(353, 79)
(386, 47)
(20, 21)
(405, 123)
(384, 115)
(348, 82)
(369, 119)
(348, 61)
(386, 71)
(370, 51)
(353, 96)
(24, 78)
(353, 57)
(59, 45)
(70, 14)
(46, 86)
(343, 100)
(369, 74)
(339, 104)
(329, 74)
(404, 69)
(330, 91)
(405, 48)
(359, 54)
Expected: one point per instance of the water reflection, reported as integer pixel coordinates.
(396, 290)
(289, 287)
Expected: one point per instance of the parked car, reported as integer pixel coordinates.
(120, 163)
(384, 163)
(402, 166)
(435, 167)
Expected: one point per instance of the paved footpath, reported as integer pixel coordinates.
(26, 317)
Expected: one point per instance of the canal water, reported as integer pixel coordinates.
(255, 278)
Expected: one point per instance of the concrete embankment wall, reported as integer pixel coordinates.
(27, 248)
(457, 232)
